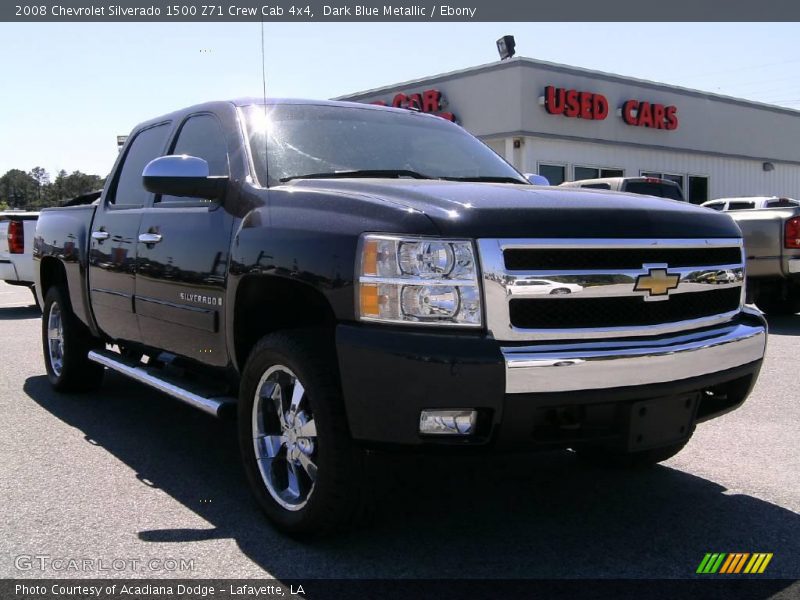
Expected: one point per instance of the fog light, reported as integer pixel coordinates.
(447, 422)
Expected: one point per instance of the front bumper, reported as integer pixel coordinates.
(543, 394)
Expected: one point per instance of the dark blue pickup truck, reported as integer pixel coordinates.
(362, 278)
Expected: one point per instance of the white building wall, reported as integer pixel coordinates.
(727, 176)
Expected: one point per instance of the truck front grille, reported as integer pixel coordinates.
(550, 289)
(625, 311)
(530, 259)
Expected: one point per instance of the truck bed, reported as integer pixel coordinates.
(763, 231)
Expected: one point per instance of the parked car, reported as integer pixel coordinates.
(749, 203)
(649, 186)
(16, 247)
(533, 287)
(340, 273)
(771, 230)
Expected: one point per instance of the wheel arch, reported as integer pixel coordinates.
(265, 304)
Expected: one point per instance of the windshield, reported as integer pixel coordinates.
(325, 140)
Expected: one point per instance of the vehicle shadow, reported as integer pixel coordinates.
(784, 324)
(14, 313)
(534, 516)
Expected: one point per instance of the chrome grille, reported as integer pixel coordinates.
(575, 289)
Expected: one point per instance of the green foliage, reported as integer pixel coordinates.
(35, 190)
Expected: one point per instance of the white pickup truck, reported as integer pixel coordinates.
(771, 229)
(16, 247)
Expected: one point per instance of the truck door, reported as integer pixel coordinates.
(112, 244)
(183, 257)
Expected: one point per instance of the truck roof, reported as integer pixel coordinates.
(253, 100)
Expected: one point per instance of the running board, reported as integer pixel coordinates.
(210, 405)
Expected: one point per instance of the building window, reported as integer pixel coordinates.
(556, 174)
(596, 172)
(698, 189)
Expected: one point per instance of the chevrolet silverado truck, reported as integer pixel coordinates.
(771, 231)
(16, 248)
(348, 276)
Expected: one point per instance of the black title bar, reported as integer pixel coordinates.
(404, 10)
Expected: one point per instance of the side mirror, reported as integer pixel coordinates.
(537, 179)
(182, 176)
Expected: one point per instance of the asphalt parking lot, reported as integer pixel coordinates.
(128, 474)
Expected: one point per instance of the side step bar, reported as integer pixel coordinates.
(210, 405)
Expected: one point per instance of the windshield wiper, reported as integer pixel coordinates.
(375, 173)
(488, 179)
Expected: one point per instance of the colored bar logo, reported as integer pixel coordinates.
(734, 563)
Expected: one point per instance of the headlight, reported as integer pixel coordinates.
(418, 280)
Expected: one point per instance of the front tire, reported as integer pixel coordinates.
(302, 465)
(66, 343)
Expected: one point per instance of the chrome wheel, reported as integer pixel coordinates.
(55, 339)
(284, 438)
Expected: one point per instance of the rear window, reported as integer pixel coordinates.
(782, 203)
(648, 188)
(741, 205)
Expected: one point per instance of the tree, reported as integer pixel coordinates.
(18, 189)
(34, 189)
(42, 179)
(74, 184)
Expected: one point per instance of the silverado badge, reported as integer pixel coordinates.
(657, 282)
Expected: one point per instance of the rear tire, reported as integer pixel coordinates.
(66, 343)
(300, 461)
(618, 459)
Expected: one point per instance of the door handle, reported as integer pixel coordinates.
(149, 238)
(99, 235)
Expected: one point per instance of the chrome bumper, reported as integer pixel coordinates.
(613, 364)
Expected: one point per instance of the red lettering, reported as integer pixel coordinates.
(658, 116)
(672, 117)
(586, 105)
(415, 101)
(628, 112)
(554, 100)
(399, 101)
(430, 101)
(645, 115)
(600, 107)
(572, 106)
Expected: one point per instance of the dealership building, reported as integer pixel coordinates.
(569, 123)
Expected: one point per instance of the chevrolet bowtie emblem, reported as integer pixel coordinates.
(656, 282)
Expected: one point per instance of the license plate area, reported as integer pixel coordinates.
(661, 421)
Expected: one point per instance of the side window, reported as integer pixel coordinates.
(202, 136)
(146, 146)
(597, 186)
(741, 205)
(715, 206)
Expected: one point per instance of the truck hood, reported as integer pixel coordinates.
(481, 210)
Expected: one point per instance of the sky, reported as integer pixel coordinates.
(68, 89)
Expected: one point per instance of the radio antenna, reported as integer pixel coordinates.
(264, 96)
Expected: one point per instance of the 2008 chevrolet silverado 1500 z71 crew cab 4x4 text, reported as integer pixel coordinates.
(349, 276)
